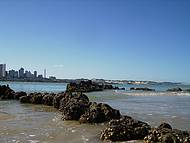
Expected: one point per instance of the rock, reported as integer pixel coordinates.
(6, 92)
(57, 98)
(165, 134)
(165, 125)
(19, 94)
(89, 86)
(175, 89)
(142, 88)
(125, 129)
(84, 86)
(25, 99)
(98, 113)
(48, 99)
(36, 98)
(73, 106)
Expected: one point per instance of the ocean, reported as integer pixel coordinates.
(25, 123)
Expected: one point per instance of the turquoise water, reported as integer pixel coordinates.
(25, 123)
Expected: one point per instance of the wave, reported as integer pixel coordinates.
(155, 93)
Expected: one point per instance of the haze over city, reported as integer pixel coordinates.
(148, 40)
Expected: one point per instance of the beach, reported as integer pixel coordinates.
(40, 123)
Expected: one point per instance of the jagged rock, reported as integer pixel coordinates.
(175, 90)
(165, 134)
(36, 98)
(165, 125)
(73, 106)
(48, 99)
(6, 92)
(142, 88)
(98, 113)
(125, 129)
(89, 86)
(25, 99)
(19, 94)
(57, 98)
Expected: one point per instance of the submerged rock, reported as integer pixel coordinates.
(165, 134)
(98, 113)
(142, 88)
(175, 89)
(125, 129)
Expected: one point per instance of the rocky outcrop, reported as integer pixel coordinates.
(17, 95)
(89, 86)
(36, 98)
(6, 92)
(175, 89)
(25, 99)
(99, 113)
(142, 89)
(125, 129)
(165, 134)
(73, 106)
(57, 98)
(48, 99)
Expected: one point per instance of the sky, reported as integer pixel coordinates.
(110, 39)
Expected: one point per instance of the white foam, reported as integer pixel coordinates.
(156, 93)
(32, 135)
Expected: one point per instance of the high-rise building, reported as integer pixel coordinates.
(35, 74)
(44, 73)
(21, 73)
(13, 74)
(2, 70)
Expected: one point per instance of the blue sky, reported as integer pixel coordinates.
(110, 39)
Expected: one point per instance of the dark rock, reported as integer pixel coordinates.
(125, 129)
(48, 99)
(98, 113)
(165, 134)
(73, 106)
(122, 88)
(19, 94)
(6, 92)
(165, 125)
(36, 98)
(89, 86)
(175, 90)
(25, 99)
(57, 98)
(142, 88)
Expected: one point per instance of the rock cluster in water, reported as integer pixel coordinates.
(89, 86)
(142, 88)
(165, 134)
(125, 129)
(76, 106)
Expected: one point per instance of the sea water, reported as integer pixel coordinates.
(26, 123)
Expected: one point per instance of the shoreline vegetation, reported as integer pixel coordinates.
(74, 105)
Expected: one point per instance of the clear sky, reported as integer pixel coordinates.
(110, 39)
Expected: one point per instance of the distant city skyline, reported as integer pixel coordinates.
(109, 39)
(22, 74)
